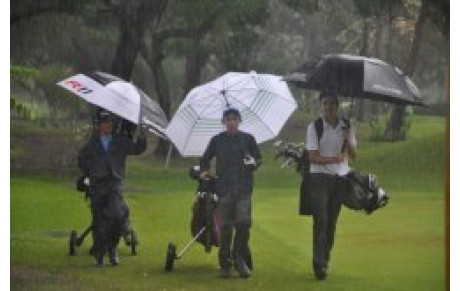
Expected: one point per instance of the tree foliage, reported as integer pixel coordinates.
(169, 46)
(22, 75)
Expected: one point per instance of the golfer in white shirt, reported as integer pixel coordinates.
(328, 157)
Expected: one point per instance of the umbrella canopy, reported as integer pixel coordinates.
(264, 101)
(119, 97)
(356, 76)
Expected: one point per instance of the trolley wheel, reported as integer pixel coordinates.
(170, 257)
(133, 243)
(73, 242)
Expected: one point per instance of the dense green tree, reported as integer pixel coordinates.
(394, 126)
(376, 18)
(194, 27)
(170, 46)
(24, 9)
(24, 77)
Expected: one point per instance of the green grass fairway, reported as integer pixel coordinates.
(401, 247)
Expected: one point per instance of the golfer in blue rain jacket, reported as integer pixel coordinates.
(103, 159)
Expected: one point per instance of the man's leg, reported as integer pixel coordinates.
(98, 244)
(333, 213)
(226, 210)
(118, 217)
(113, 240)
(319, 199)
(127, 229)
(241, 241)
(98, 231)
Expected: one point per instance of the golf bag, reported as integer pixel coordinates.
(204, 209)
(204, 224)
(364, 193)
(296, 154)
(113, 210)
(205, 215)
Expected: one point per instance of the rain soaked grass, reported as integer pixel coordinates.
(400, 247)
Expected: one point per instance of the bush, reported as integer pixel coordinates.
(378, 126)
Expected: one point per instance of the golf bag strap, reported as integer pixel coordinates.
(319, 129)
(347, 125)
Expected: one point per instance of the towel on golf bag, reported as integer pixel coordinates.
(363, 193)
(80, 183)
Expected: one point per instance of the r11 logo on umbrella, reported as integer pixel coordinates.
(77, 86)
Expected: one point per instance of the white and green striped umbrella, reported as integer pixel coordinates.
(264, 101)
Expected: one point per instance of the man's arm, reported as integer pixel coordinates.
(254, 151)
(315, 158)
(350, 141)
(138, 147)
(84, 159)
(208, 154)
(313, 150)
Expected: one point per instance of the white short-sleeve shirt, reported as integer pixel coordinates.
(330, 145)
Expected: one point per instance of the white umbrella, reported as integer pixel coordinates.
(119, 97)
(264, 101)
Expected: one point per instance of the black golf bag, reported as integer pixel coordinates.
(364, 193)
(205, 220)
(204, 210)
(204, 224)
(205, 215)
(113, 209)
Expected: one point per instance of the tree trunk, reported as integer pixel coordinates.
(164, 97)
(373, 106)
(363, 52)
(133, 19)
(131, 33)
(155, 56)
(394, 126)
(162, 87)
(195, 59)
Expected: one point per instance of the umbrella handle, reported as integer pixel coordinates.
(168, 157)
(351, 107)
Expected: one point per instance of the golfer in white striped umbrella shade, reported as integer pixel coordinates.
(119, 97)
(264, 101)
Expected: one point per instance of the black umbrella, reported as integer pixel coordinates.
(357, 76)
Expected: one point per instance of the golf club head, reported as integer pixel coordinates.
(372, 182)
(278, 143)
